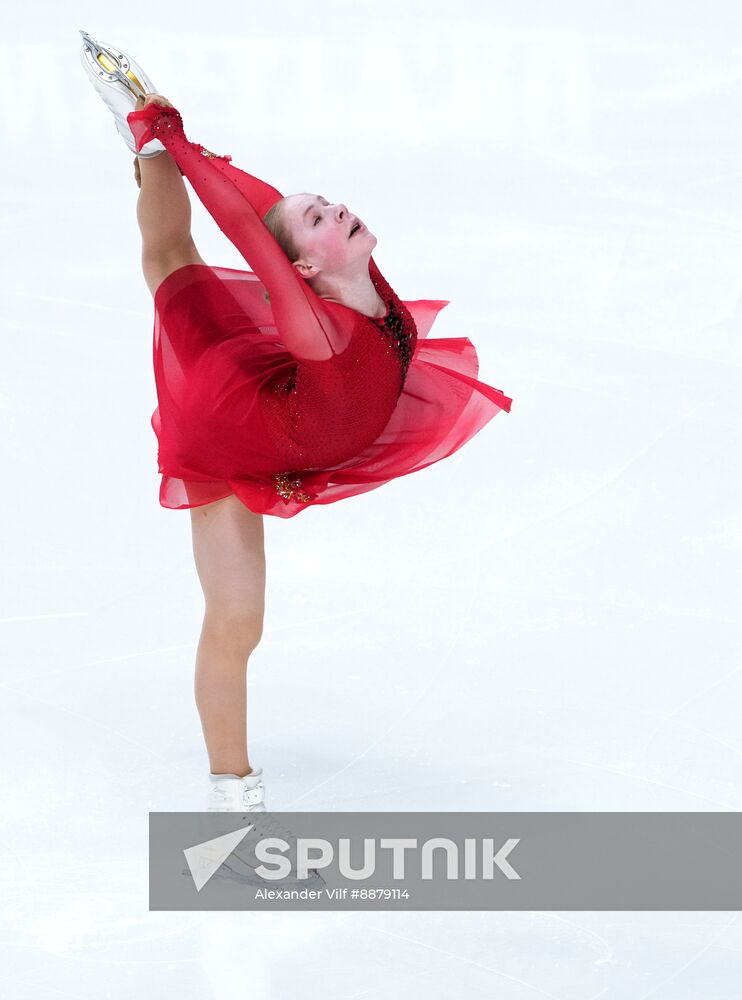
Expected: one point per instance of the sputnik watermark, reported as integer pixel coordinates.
(479, 858)
(446, 861)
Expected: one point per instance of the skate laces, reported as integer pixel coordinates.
(267, 825)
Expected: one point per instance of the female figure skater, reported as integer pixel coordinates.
(303, 381)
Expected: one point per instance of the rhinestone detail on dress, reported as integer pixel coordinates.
(288, 486)
(170, 120)
(397, 326)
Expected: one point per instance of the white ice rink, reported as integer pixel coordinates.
(548, 620)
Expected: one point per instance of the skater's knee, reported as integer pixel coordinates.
(237, 627)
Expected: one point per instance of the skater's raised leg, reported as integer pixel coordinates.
(164, 217)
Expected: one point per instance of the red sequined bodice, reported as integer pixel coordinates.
(324, 412)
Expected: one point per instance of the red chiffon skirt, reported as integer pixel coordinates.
(216, 350)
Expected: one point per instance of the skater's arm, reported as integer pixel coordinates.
(237, 201)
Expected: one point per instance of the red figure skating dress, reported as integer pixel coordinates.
(287, 399)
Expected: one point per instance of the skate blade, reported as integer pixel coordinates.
(314, 881)
(111, 65)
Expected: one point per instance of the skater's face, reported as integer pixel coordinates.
(326, 235)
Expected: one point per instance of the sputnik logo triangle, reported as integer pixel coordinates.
(206, 858)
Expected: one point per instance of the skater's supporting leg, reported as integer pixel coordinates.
(228, 546)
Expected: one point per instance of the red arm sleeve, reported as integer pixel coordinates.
(237, 202)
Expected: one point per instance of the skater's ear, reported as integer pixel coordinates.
(304, 269)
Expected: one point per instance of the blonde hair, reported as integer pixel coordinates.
(275, 220)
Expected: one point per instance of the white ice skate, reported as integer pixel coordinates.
(119, 80)
(230, 793)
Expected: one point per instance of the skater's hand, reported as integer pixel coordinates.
(151, 126)
(142, 102)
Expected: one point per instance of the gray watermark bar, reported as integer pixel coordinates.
(446, 861)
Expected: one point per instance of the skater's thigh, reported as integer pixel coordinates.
(160, 264)
(228, 546)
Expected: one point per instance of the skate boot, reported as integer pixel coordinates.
(119, 80)
(230, 793)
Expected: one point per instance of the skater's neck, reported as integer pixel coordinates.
(353, 289)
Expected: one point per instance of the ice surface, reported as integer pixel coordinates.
(549, 620)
